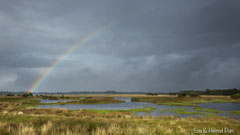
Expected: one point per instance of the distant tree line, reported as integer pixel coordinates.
(23, 94)
(226, 92)
(11, 93)
(71, 92)
(233, 93)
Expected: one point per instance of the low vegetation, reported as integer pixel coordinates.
(145, 109)
(195, 110)
(95, 101)
(65, 122)
(185, 101)
(8, 102)
(207, 110)
(184, 111)
(235, 112)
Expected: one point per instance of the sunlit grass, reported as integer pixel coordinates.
(209, 110)
(195, 110)
(164, 110)
(80, 122)
(146, 109)
(184, 111)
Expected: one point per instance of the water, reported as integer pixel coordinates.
(222, 106)
(126, 99)
(53, 101)
(130, 105)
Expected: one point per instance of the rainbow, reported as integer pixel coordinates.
(45, 74)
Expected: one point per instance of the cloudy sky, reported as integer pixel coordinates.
(150, 45)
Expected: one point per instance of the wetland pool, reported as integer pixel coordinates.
(160, 110)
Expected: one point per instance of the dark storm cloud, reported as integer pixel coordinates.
(150, 45)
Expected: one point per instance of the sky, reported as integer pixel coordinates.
(153, 45)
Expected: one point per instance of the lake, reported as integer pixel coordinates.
(130, 105)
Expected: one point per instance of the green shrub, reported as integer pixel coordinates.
(182, 95)
(172, 93)
(194, 94)
(235, 96)
(27, 95)
(135, 100)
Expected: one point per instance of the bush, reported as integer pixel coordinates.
(9, 94)
(172, 93)
(182, 95)
(235, 96)
(27, 95)
(30, 94)
(135, 100)
(152, 94)
(194, 94)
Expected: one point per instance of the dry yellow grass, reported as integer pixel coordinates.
(56, 125)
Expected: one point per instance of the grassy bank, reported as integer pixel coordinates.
(8, 102)
(145, 109)
(105, 100)
(185, 101)
(196, 110)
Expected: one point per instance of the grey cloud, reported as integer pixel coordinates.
(150, 45)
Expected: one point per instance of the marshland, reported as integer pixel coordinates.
(104, 114)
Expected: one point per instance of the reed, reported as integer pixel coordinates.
(106, 124)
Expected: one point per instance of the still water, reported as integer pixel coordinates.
(130, 105)
(53, 101)
(222, 106)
